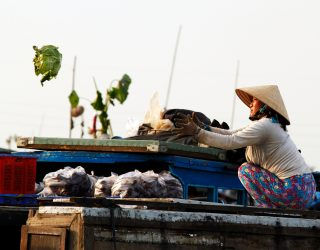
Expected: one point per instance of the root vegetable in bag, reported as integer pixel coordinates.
(103, 185)
(68, 182)
(128, 185)
(173, 186)
(152, 185)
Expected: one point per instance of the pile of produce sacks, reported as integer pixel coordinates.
(135, 184)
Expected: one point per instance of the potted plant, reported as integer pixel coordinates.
(118, 91)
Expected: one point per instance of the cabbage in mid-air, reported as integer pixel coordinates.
(47, 62)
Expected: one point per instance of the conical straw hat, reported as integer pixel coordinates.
(268, 94)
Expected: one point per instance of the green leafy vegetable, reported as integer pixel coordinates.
(47, 62)
(98, 103)
(74, 99)
(105, 122)
(121, 91)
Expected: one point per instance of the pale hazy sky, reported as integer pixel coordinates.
(276, 42)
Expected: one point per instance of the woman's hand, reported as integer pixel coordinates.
(185, 125)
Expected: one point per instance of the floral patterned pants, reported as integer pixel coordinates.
(269, 191)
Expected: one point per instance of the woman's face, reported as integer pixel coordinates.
(255, 105)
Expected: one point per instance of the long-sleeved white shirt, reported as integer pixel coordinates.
(268, 146)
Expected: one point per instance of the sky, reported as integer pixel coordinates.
(272, 41)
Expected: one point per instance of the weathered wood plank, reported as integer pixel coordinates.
(172, 204)
(62, 220)
(120, 145)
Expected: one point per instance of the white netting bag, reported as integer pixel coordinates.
(103, 185)
(68, 182)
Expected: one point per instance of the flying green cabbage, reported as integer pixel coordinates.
(47, 62)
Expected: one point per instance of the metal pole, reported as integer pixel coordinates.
(234, 94)
(172, 67)
(73, 83)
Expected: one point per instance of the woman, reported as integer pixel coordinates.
(275, 174)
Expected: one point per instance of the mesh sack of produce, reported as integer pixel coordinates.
(173, 186)
(153, 186)
(128, 185)
(103, 185)
(68, 182)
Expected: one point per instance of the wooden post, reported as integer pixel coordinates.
(172, 67)
(73, 83)
(234, 94)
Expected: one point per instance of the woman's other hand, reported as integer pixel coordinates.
(185, 124)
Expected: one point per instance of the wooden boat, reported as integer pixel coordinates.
(112, 223)
(99, 223)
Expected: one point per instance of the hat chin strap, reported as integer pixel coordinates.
(259, 114)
